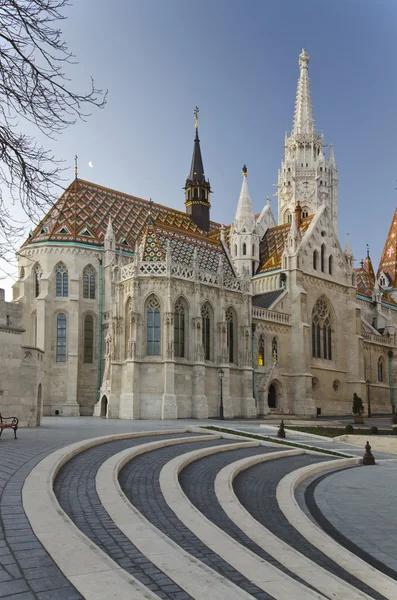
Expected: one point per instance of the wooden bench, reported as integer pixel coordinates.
(12, 425)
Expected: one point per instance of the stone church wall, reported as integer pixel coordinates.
(21, 373)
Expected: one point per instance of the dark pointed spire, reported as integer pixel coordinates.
(197, 188)
(197, 168)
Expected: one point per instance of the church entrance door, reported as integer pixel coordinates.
(104, 407)
(272, 396)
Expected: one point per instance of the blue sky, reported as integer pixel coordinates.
(238, 61)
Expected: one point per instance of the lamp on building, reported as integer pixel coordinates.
(221, 375)
(368, 383)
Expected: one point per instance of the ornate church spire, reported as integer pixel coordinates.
(244, 214)
(197, 188)
(303, 119)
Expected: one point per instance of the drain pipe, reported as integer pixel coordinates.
(100, 327)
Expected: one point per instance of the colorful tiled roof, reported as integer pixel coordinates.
(82, 213)
(158, 238)
(273, 243)
(388, 261)
(365, 281)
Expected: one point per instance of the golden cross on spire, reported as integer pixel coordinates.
(75, 166)
(196, 112)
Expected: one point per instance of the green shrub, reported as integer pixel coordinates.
(394, 419)
(394, 430)
(374, 430)
(349, 428)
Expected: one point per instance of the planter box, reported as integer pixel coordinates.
(359, 420)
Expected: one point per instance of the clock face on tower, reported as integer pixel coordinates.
(305, 189)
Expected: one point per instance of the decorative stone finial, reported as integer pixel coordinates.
(196, 118)
(245, 171)
(368, 458)
(281, 431)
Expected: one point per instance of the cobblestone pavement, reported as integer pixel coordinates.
(197, 481)
(346, 503)
(256, 490)
(350, 510)
(27, 572)
(139, 480)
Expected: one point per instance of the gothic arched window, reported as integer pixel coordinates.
(179, 328)
(305, 212)
(261, 351)
(289, 218)
(206, 318)
(321, 330)
(62, 280)
(89, 283)
(330, 264)
(235, 249)
(315, 258)
(244, 249)
(380, 369)
(37, 277)
(230, 323)
(323, 257)
(61, 338)
(153, 327)
(275, 349)
(88, 339)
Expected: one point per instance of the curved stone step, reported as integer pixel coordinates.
(289, 506)
(198, 579)
(325, 582)
(262, 574)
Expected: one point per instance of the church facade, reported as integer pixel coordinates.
(146, 312)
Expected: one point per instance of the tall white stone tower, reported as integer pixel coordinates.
(306, 175)
(244, 233)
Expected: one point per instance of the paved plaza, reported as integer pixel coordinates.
(100, 509)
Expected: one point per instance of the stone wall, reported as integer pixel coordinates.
(21, 373)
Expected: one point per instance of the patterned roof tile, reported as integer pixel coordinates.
(86, 207)
(273, 243)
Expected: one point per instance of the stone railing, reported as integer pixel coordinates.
(378, 339)
(178, 271)
(270, 315)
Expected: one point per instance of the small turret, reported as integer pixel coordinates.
(244, 234)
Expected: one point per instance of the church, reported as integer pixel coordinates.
(146, 312)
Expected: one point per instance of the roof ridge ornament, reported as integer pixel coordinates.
(75, 166)
(196, 117)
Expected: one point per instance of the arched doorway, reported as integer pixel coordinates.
(104, 406)
(272, 396)
(38, 408)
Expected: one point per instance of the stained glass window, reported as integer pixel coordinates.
(206, 330)
(261, 351)
(89, 283)
(61, 338)
(62, 281)
(153, 327)
(230, 334)
(179, 329)
(88, 339)
(321, 330)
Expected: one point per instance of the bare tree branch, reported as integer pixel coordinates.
(34, 89)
